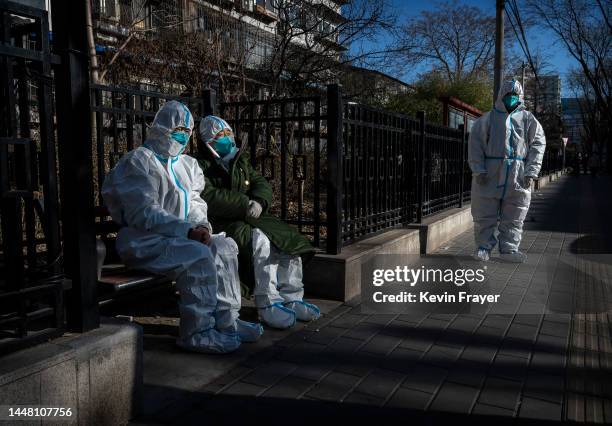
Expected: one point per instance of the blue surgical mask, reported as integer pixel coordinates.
(224, 145)
(511, 101)
(180, 137)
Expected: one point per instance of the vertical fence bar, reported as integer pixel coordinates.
(334, 169)
(209, 107)
(74, 140)
(462, 164)
(421, 166)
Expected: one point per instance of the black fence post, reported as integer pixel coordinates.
(334, 169)
(462, 174)
(209, 102)
(75, 158)
(421, 166)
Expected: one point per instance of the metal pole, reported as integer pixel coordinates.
(75, 159)
(462, 129)
(499, 46)
(421, 167)
(334, 169)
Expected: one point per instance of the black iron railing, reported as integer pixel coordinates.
(121, 117)
(31, 279)
(344, 171)
(552, 161)
(288, 140)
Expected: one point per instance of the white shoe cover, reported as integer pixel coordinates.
(277, 316)
(211, 341)
(514, 257)
(304, 311)
(249, 331)
(482, 255)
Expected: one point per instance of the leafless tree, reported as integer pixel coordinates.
(311, 42)
(455, 39)
(583, 28)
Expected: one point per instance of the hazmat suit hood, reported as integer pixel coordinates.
(171, 115)
(510, 86)
(211, 125)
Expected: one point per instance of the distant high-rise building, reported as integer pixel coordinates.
(572, 120)
(543, 99)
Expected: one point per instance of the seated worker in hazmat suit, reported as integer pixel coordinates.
(154, 193)
(270, 250)
(505, 153)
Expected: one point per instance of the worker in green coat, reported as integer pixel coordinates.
(270, 251)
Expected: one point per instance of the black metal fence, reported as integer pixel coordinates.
(553, 160)
(344, 171)
(121, 119)
(31, 279)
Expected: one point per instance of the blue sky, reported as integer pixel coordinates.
(559, 58)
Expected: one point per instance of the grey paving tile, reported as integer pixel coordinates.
(482, 353)
(380, 383)
(363, 331)
(490, 410)
(547, 387)
(509, 367)
(289, 387)
(270, 373)
(522, 332)
(243, 389)
(468, 373)
(402, 360)
(425, 378)
(417, 342)
(348, 320)
(363, 399)
(381, 344)
(325, 335)
(454, 397)
(409, 398)
(500, 392)
(333, 387)
(443, 356)
(532, 408)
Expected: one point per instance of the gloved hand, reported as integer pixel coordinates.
(199, 233)
(527, 182)
(254, 209)
(482, 179)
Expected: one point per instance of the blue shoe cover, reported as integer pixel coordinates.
(304, 311)
(277, 316)
(249, 331)
(210, 341)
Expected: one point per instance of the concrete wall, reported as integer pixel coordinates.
(97, 374)
(338, 277)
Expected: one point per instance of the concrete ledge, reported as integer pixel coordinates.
(338, 277)
(440, 228)
(546, 179)
(98, 374)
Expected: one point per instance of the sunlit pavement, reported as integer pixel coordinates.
(437, 368)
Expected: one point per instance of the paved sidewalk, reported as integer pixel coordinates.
(438, 368)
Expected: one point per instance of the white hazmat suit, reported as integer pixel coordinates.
(154, 193)
(505, 148)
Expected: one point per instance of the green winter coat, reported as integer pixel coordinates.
(227, 194)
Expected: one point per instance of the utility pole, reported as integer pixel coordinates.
(523, 65)
(499, 46)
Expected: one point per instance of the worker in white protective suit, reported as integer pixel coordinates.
(270, 250)
(506, 147)
(154, 193)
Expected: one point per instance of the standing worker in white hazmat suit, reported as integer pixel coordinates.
(154, 193)
(506, 147)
